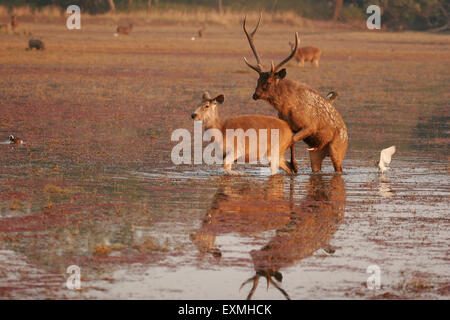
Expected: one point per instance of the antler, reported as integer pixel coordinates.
(258, 67)
(269, 280)
(255, 280)
(294, 49)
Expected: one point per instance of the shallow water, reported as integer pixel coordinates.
(94, 186)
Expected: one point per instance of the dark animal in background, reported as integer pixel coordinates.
(124, 29)
(310, 116)
(308, 54)
(36, 43)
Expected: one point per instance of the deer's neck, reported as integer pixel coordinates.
(213, 122)
(280, 97)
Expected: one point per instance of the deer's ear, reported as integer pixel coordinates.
(281, 74)
(220, 98)
(206, 96)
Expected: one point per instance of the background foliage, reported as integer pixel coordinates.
(396, 14)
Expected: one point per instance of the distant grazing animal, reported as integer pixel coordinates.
(202, 32)
(14, 22)
(36, 43)
(331, 96)
(124, 29)
(15, 140)
(310, 116)
(208, 112)
(385, 158)
(308, 54)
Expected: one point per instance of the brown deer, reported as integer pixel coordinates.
(202, 31)
(248, 208)
(208, 112)
(14, 23)
(308, 54)
(311, 117)
(124, 29)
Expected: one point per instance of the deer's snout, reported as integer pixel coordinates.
(193, 115)
(255, 96)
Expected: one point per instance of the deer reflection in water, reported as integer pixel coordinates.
(302, 226)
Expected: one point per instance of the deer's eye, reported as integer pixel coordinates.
(207, 106)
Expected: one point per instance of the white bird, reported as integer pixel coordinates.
(385, 158)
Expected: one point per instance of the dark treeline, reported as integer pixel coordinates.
(396, 14)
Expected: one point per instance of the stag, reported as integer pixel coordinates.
(311, 117)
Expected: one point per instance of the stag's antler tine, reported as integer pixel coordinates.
(290, 56)
(255, 280)
(252, 66)
(257, 25)
(279, 288)
(247, 281)
(252, 46)
(255, 285)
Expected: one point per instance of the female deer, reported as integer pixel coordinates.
(207, 111)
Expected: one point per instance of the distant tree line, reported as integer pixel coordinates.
(397, 14)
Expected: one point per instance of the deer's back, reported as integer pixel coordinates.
(304, 107)
(309, 53)
(123, 30)
(257, 121)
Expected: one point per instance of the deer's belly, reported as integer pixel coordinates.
(319, 139)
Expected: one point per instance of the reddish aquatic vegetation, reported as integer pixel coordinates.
(101, 137)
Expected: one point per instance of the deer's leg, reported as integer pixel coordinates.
(302, 134)
(228, 162)
(316, 158)
(301, 63)
(315, 63)
(275, 164)
(338, 148)
(285, 165)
